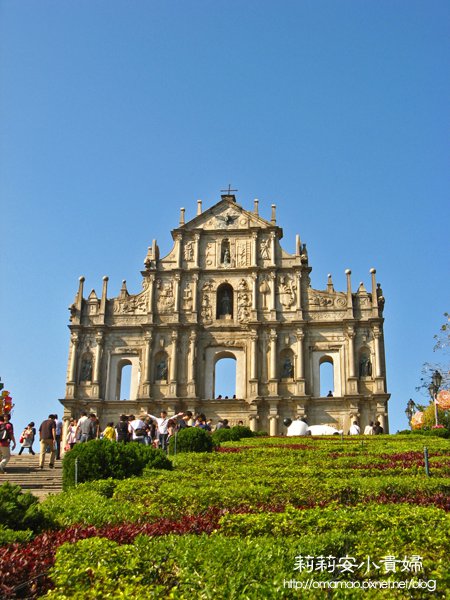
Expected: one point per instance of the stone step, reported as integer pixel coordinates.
(24, 471)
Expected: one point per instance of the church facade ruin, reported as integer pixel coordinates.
(227, 289)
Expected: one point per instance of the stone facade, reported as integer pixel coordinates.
(228, 289)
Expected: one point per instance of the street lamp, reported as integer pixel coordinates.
(433, 388)
(411, 405)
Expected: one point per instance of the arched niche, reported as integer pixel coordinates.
(161, 368)
(287, 368)
(365, 362)
(224, 301)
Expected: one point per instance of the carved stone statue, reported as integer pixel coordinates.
(365, 367)
(265, 249)
(86, 369)
(288, 368)
(225, 303)
(161, 370)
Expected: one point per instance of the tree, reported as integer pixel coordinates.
(442, 348)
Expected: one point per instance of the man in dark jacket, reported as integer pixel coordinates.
(47, 436)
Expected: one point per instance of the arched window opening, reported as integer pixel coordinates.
(124, 380)
(224, 301)
(287, 364)
(161, 367)
(326, 377)
(225, 378)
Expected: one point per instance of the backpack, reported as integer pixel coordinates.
(5, 432)
(122, 432)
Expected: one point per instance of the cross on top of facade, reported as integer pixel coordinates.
(229, 190)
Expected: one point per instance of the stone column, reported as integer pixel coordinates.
(254, 356)
(150, 303)
(177, 278)
(377, 336)
(351, 352)
(273, 285)
(194, 292)
(73, 358)
(273, 425)
(173, 362)
(178, 249)
(254, 291)
(374, 293)
(272, 248)
(273, 354)
(254, 248)
(349, 294)
(191, 357)
(98, 356)
(252, 422)
(299, 292)
(148, 338)
(300, 368)
(196, 247)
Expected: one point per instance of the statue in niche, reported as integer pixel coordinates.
(189, 251)
(265, 249)
(288, 368)
(225, 303)
(161, 370)
(86, 369)
(187, 298)
(225, 254)
(365, 367)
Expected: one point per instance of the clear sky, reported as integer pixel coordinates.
(114, 114)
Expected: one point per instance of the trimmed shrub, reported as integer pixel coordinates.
(102, 459)
(234, 434)
(19, 510)
(191, 439)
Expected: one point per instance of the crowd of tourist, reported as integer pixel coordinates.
(145, 429)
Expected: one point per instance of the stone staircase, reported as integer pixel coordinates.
(24, 470)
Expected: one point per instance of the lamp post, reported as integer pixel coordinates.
(411, 405)
(433, 389)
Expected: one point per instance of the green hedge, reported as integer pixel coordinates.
(102, 459)
(20, 510)
(234, 434)
(191, 439)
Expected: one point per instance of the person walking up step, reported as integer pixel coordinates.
(6, 437)
(47, 436)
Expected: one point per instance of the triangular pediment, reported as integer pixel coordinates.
(226, 215)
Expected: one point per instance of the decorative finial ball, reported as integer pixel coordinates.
(82, 278)
(372, 270)
(105, 278)
(348, 272)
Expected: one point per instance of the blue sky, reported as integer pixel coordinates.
(114, 114)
